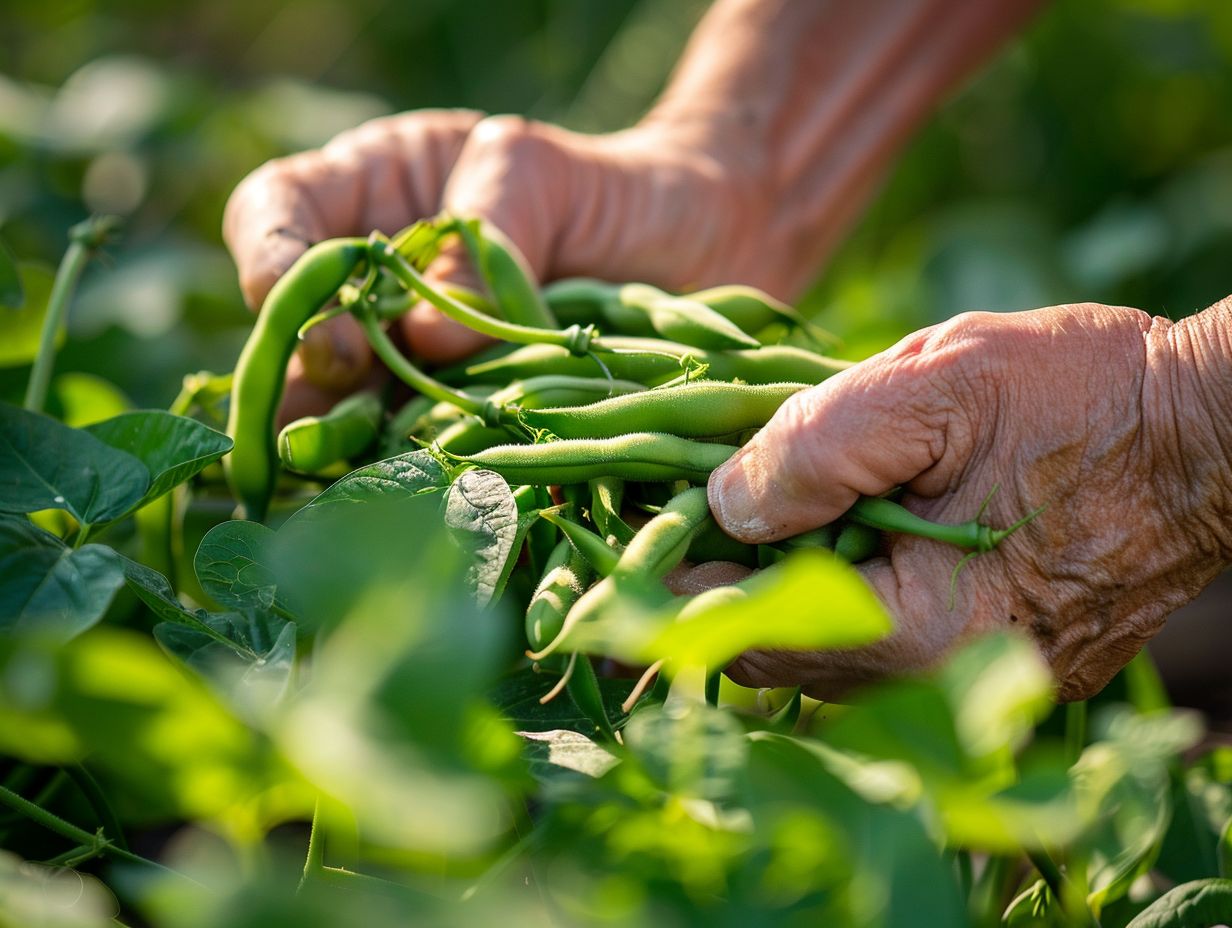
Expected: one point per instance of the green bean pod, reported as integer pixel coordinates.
(507, 274)
(259, 374)
(311, 444)
(752, 310)
(650, 361)
(856, 542)
(647, 456)
(580, 300)
(501, 366)
(395, 437)
(606, 497)
(703, 409)
(646, 310)
(598, 553)
(663, 541)
(550, 390)
(656, 549)
(565, 577)
(583, 688)
(889, 516)
(470, 436)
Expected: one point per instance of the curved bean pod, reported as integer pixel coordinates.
(311, 444)
(703, 409)
(259, 374)
(648, 456)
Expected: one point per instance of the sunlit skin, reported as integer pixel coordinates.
(776, 127)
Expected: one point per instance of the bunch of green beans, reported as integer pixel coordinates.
(604, 406)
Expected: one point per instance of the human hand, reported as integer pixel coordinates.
(1100, 413)
(637, 205)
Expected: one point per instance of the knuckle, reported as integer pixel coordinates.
(507, 134)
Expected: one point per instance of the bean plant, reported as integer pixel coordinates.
(419, 660)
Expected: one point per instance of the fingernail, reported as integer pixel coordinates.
(731, 497)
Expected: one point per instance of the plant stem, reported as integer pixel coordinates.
(408, 373)
(314, 862)
(1058, 885)
(89, 787)
(576, 339)
(84, 239)
(54, 823)
(1075, 729)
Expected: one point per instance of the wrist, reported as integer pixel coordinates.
(1193, 362)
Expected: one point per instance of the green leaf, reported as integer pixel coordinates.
(252, 665)
(406, 475)
(12, 293)
(172, 448)
(482, 517)
(150, 727)
(21, 328)
(1202, 806)
(46, 465)
(552, 754)
(809, 601)
(999, 687)
(1200, 904)
(1123, 788)
(153, 589)
(232, 566)
(47, 587)
(688, 748)
(517, 697)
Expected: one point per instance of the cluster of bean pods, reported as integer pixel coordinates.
(609, 404)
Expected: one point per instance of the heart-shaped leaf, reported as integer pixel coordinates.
(231, 566)
(47, 465)
(483, 521)
(48, 588)
(173, 448)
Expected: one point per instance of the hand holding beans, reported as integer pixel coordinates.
(634, 205)
(1120, 423)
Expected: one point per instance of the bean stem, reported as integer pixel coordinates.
(576, 339)
(85, 239)
(314, 861)
(1075, 729)
(411, 375)
(84, 781)
(54, 823)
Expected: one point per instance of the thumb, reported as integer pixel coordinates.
(888, 421)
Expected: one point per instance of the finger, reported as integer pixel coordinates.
(517, 175)
(883, 423)
(689, 579)
(513, 174)
(382, 175)
(428, 333)
(302, 397)
(335, 354)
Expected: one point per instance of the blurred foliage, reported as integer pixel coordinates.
(1092, 160)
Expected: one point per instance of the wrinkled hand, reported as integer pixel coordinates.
(1092, 410)
(636, 205)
